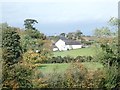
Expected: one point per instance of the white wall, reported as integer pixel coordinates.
(69, 47)
(55, 49)
(76, 46)
(61, 45)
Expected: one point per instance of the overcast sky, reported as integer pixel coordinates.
(57, 16)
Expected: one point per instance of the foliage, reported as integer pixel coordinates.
(109, 56)
(32, 39)
(113, 21)
(102, 32)
(77, 76)
(33, 57)
(78, 34)
(35, 34)
(46, 69)
(53, 38)
(80, 77)
(39, 54)
(62, 34)
(94, 79)
(111, 75)
(31, 30)
(29, 23)
(74, 35)
(87, 42)
(29, 43)
(26, 42)
(65, 80)
(55, 80)
(68, 59)
(11, 45)
(15, 74)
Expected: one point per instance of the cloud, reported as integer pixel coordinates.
(60, 12)
(87, 1)
(73, 12)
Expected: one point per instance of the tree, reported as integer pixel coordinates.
(78, 34)
(31, 30)
(15, 74)
(70, 35)
(63, 34)
(74, 35)
(11, 45)
(31, 35)
(113, 21)
(102, 32)
(29, 23)
(109, 55)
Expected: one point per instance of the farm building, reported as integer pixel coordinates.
(64, 44)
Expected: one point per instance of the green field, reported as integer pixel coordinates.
(50, 68)
(90, 51)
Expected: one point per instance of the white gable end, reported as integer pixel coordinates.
(61, 45)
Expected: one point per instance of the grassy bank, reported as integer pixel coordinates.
(61, 67)
(90, 51)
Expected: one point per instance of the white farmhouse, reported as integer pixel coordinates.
(64, 44)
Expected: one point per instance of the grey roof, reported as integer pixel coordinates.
(70, 42)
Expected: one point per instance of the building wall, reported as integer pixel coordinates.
(61, 45)
(69, 47)
(55, 49)
(76, 46)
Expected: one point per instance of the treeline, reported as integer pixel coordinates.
(77, 35)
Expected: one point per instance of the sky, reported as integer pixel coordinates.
(60, 16)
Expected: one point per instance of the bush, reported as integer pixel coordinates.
(94, 79)
(68, 59)
(77, 76)
(72, 78)
(111, 75)
(17, 76)
(55, 80)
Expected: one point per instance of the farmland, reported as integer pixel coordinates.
(60, 68)
(90, 51)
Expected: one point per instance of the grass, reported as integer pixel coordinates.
(50, 68)
(90, 51)
(93, 65)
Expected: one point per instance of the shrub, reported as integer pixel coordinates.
(93, 79)
(33, 57)
(68, 59)
(111, 75)
(75, 76)
(17, 76)
(55, 80)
